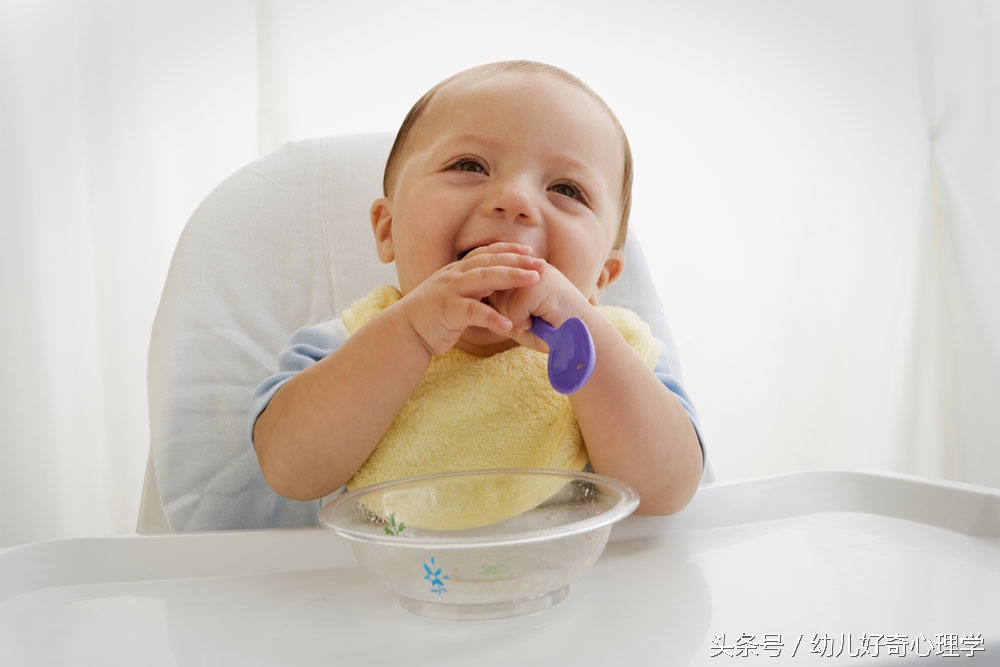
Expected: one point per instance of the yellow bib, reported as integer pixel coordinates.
(472, 412)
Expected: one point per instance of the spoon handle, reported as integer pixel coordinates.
(542, 329)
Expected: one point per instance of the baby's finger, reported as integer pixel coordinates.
(510, 259)
(474, 313)
(511, 304)
(500, 247)
(480, 282)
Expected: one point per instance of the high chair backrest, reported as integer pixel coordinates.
(282, 243)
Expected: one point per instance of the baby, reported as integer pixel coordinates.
(506, 197)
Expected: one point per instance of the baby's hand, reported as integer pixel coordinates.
(554, 298)
(444, 305)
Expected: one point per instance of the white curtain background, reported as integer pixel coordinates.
(817, 186)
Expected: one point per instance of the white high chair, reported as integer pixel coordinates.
(284, 242)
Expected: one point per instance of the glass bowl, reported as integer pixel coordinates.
(480, 544)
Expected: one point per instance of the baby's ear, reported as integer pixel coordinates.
(613, 267)
(381, 215)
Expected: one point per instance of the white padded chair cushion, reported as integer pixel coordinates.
(282, 243)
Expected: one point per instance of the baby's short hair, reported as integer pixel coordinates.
(530, 67)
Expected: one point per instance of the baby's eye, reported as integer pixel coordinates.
(568, 190)
(467, 164)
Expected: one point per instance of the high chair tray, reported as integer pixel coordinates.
(836, 568)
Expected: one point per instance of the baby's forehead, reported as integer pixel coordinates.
(469, 89)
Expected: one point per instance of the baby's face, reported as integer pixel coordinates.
(518, 157)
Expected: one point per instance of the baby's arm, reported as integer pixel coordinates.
(321, 426)
(635, 429)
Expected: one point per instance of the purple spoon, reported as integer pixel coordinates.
(571, 353)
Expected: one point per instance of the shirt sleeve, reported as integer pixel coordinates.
(307, 346)
(671, 380)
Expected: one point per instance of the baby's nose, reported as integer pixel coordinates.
(514, 200)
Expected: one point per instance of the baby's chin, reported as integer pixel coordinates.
(483, 342)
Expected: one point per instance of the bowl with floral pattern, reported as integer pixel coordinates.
(480, 544)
